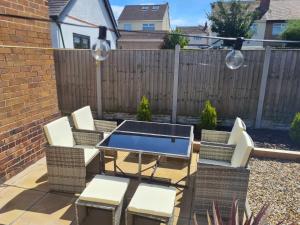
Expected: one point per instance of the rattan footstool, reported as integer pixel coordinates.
(153, 202)
(102, 193)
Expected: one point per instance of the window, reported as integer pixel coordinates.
(127, 26)
(81, 41)
(197, 38)
(148, 27)
(155, 7)
(278, 28)
(145, 8)
(253, 28)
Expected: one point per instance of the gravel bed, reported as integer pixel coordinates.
(278, 184)
(275, 139)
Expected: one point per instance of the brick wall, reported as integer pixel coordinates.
(28, 97)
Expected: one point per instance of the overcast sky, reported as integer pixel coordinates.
(182, 12)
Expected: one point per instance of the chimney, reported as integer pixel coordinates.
(264, 6)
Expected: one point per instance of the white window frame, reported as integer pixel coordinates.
(127, 26)
(278, 28)
(148, 26)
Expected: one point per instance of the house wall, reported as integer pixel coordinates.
(94, 12)
(268, 32)
(259, 34)
(194, 42)
(138, 24)
(28, 97)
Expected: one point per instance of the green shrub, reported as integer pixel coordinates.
(295, 129)
(208, 118)
(144, 111)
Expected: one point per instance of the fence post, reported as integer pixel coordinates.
(99, 90)
(175, 84)
(263, 85)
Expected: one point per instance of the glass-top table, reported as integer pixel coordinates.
(149, 138)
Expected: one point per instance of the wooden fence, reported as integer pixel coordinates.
(127, 75)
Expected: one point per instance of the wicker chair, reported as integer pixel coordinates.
(222, 174)
(83, 121)
(70, 156)
(222, 137)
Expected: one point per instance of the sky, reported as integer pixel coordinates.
(182, 12)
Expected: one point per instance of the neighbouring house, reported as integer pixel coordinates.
(195, 31)
(273, 18)
(277, 16)
(152, 18)
(28, 96)
(93, 13)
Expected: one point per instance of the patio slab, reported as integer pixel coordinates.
(25, 199)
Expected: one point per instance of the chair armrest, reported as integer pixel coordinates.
(64, 156)
(216, 152)
(215, 136)
(87, 138)
(105, 126)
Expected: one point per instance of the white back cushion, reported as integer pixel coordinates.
(83, 119)
(242, 151)
(59, 133)
(236, 132)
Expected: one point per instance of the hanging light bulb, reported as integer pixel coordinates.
(101, 49)
(235, 59)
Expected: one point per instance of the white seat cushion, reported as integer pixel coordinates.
(105, 189)
(83, 119)
(153, 200)
(89, 153)
(215, 162)
(59, 133)
(106, 134)
(236, 132)
(242, 151)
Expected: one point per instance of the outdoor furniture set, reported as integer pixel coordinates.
(73, 153)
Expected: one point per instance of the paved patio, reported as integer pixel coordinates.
(25, 199)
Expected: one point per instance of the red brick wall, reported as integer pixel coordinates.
(28, 97)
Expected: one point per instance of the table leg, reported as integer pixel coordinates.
(188, 173)
(140, 166)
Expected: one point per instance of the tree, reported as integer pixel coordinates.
(232, 19)
(292, 33)
(174, 38)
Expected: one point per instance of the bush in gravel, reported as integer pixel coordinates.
(208, 118)
(295, 129)
(144, 111)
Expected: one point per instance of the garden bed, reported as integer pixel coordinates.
(276, 183)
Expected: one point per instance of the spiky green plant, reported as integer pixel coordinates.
(144, 111)
(208, 118)
(259, 219)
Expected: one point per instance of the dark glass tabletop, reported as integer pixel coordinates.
(156, 138)
(156, 128)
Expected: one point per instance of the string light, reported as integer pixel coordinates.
(101, 49)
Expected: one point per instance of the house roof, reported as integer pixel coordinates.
(283, 10)
(193, 29)
(56, 7)
(144, 12)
